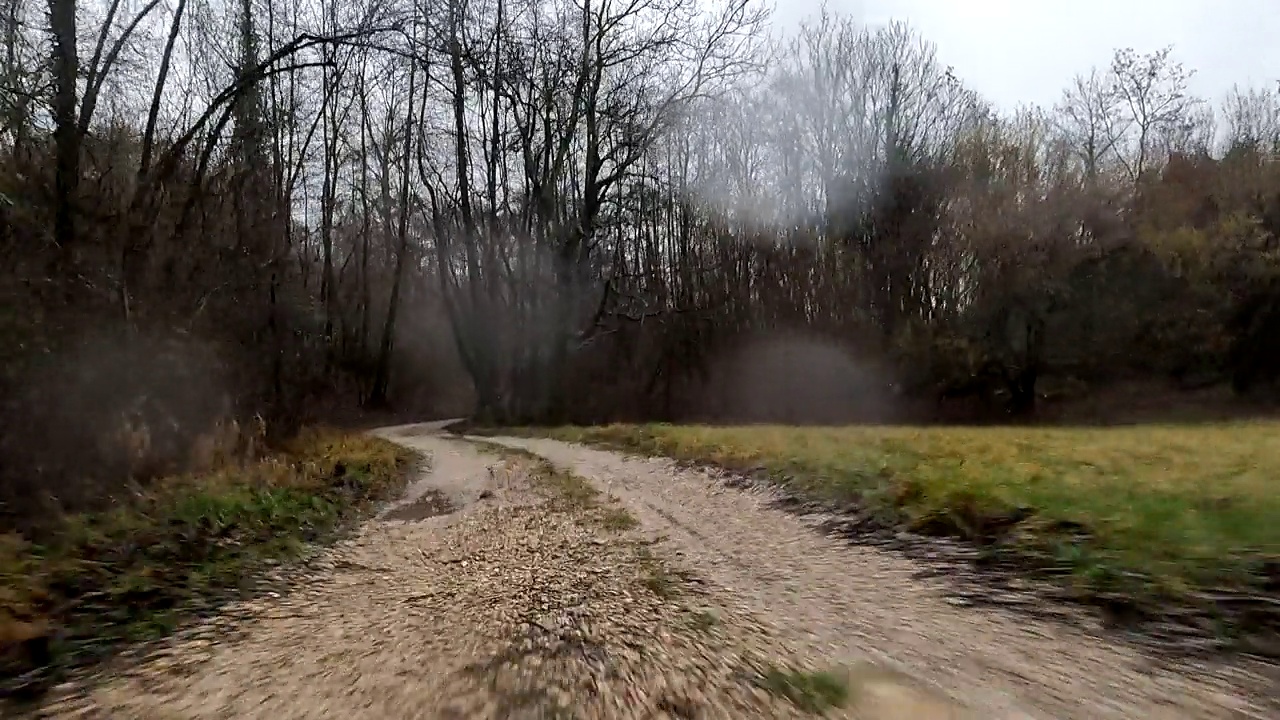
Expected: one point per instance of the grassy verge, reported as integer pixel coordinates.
(129, 574)
(1158, 514)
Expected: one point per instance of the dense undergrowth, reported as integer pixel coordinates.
(179, 544)
(1153, 521)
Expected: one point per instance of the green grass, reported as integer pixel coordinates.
(1165, 510)
(132, 573)
(813, 692)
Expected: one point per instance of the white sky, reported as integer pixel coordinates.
(1016, 52)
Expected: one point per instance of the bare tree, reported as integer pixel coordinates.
(1089, 116)
(66, 70)
(1152, 91)
(1252, 118)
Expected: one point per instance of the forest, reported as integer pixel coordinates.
(235, 218)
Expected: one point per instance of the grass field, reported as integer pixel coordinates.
(132, 572)
(1159, 511)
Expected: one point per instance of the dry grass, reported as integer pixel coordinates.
(1172, 509)
(132, 572)
(615, 518)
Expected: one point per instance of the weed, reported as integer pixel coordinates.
(704, 620)
(657, 578)
(617, 519)
(813, 692)
(660, 584)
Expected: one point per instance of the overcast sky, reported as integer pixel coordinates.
(1027, 51)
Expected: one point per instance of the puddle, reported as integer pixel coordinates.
(433, 503)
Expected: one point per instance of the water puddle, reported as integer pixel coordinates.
(433, 503)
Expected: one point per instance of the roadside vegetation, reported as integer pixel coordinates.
(84, 583)
(1154, 516)
(813, 692)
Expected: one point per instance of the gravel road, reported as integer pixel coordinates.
(489, 593)
(848, 604)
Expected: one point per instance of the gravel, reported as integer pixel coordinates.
(512, 606)
(479, 595)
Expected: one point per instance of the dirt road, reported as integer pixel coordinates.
(499, 590)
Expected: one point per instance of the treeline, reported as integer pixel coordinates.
(550, 210)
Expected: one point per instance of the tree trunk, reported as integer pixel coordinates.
(382, 369)
(66, 67)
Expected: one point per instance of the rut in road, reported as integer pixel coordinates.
(498, 590)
